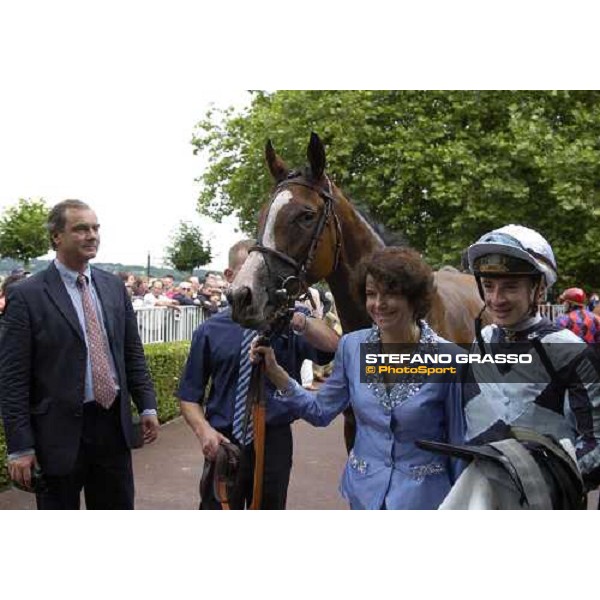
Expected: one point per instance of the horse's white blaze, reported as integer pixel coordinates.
(269, 234)
(246, 276)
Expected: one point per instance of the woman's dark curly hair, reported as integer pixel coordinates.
(399, 271)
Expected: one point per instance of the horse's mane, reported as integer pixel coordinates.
(389, 236)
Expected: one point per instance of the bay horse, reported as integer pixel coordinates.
(309, 231)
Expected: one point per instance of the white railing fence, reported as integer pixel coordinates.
(551, 311)
(164, 324)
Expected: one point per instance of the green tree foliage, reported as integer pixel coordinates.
(442, 167)
(187, 250)
(23, 234)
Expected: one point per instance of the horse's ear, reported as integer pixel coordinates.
(316, 156)
(277, 167)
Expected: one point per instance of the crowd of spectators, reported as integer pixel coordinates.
(148, 292)
(14, 276)
(165, 291)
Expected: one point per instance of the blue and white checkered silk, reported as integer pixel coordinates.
(241, 393)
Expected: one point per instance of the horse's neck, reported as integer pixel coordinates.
(351, 312)
(358, 240)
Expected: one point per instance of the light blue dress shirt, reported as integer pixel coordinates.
(69, 278)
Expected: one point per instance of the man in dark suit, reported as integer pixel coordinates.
(70, 357)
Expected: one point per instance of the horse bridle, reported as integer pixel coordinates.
(291, 288)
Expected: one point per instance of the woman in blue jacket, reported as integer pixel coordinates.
(385, 469)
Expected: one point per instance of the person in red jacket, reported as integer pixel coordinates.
(577, 318)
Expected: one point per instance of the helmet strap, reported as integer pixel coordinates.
(478, 327)
(481, 294)
(533, 309)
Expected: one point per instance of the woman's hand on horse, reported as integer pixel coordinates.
(259, 354)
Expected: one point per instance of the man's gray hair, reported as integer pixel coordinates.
(57, 219)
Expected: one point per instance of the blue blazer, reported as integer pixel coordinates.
(43, 361)
(385, 469)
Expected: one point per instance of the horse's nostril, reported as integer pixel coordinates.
(241, 304)
(245, 295)
(242, 298)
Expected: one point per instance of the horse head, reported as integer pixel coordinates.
(299, 240)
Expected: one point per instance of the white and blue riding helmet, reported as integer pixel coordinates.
(513, 250)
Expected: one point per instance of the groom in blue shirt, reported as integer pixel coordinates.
(209, 410)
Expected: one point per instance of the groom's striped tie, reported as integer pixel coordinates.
(241, 393)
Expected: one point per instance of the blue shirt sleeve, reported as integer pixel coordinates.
(196, 372)
(308, 352)
(322, 407)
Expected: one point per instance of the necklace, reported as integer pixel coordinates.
(398, 392)
(413, 336)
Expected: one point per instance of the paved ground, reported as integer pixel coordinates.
(167, 472)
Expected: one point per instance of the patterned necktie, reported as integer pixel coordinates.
(241, 393)
(102, 380)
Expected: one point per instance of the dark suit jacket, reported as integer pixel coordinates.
(43, 362)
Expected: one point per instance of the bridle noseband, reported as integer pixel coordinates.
(291, 288)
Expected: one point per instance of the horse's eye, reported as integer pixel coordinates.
(306, 218)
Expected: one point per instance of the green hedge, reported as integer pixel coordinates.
(165, 363)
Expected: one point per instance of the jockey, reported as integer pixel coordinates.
(554, 398)
(573, 297)
(577, 318)
(520, 261)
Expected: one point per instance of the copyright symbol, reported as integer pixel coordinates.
(370, 369)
